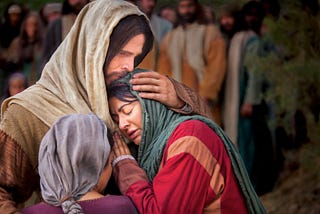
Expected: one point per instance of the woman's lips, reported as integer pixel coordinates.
(133, 134)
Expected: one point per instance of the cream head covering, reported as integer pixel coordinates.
(72, 155)
(73, 79)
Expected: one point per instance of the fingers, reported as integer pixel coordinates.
(149, 74)
(120, 147)
(156, 86)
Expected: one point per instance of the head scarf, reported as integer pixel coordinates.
(159, 122)
(72, 155)
(73, 79)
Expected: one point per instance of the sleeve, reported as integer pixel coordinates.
(17, 180)
(196, 103)
(18, 173)
(254, 87)
(127, 172)
(177, 188)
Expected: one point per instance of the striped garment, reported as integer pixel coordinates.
(195, 176)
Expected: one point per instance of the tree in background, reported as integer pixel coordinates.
(294, 69)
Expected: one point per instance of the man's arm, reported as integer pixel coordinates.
(17, 179)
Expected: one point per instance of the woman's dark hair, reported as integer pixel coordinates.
(25, 40)
(126, 29)
(120, 91)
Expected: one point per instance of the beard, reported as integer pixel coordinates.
(187, 18)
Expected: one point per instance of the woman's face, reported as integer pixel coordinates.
(128, 116)
(123, 62)
(31, 26)
(16, 86)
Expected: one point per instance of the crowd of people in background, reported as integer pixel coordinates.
(212, 50)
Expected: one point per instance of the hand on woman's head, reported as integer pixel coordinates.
(156, 86)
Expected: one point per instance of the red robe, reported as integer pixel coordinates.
(195, 176)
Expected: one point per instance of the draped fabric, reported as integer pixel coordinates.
(72, 155)
(158, 124)
(231, 96)
(73, 79)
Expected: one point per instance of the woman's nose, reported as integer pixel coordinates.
(123, 123)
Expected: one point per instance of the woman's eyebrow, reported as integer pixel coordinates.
(124, 105)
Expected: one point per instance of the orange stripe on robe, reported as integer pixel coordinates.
(195, 176)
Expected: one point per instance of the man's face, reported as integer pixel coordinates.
(147, 6)
(123, 62)
(252, 19)
(187, 10)
(227, 23)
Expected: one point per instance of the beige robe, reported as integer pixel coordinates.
(196, 56)
(231, 95)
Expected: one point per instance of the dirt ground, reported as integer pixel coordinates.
(298, 186)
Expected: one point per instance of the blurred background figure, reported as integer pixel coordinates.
(16, 83)
(58, 29)
(160, 28)
(24, 51)
(194, 53)
(50, 12)
(209, 13)
(245, 108)
(9, 29)
(229, 21)
(168, 13)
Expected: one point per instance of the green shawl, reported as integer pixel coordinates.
(158, 124)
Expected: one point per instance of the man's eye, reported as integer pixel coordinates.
(124, 53)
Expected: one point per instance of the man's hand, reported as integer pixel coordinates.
(246, 110)
(156, 86)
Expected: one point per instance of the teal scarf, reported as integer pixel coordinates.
(158, 124)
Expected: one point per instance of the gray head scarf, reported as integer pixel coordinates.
(72, 156)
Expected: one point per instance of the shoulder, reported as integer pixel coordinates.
(15, 112)
(193, 127)
(42, 208)
(193, 132)
(112, 203)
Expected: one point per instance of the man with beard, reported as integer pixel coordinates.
(59, 28)
(230, 21)
(194, 53)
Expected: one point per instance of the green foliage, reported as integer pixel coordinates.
(294, 70)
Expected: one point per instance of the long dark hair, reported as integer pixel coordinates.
(121, 91)
(126, 29)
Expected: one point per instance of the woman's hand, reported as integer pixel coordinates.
(119, 147)
(156, 86)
